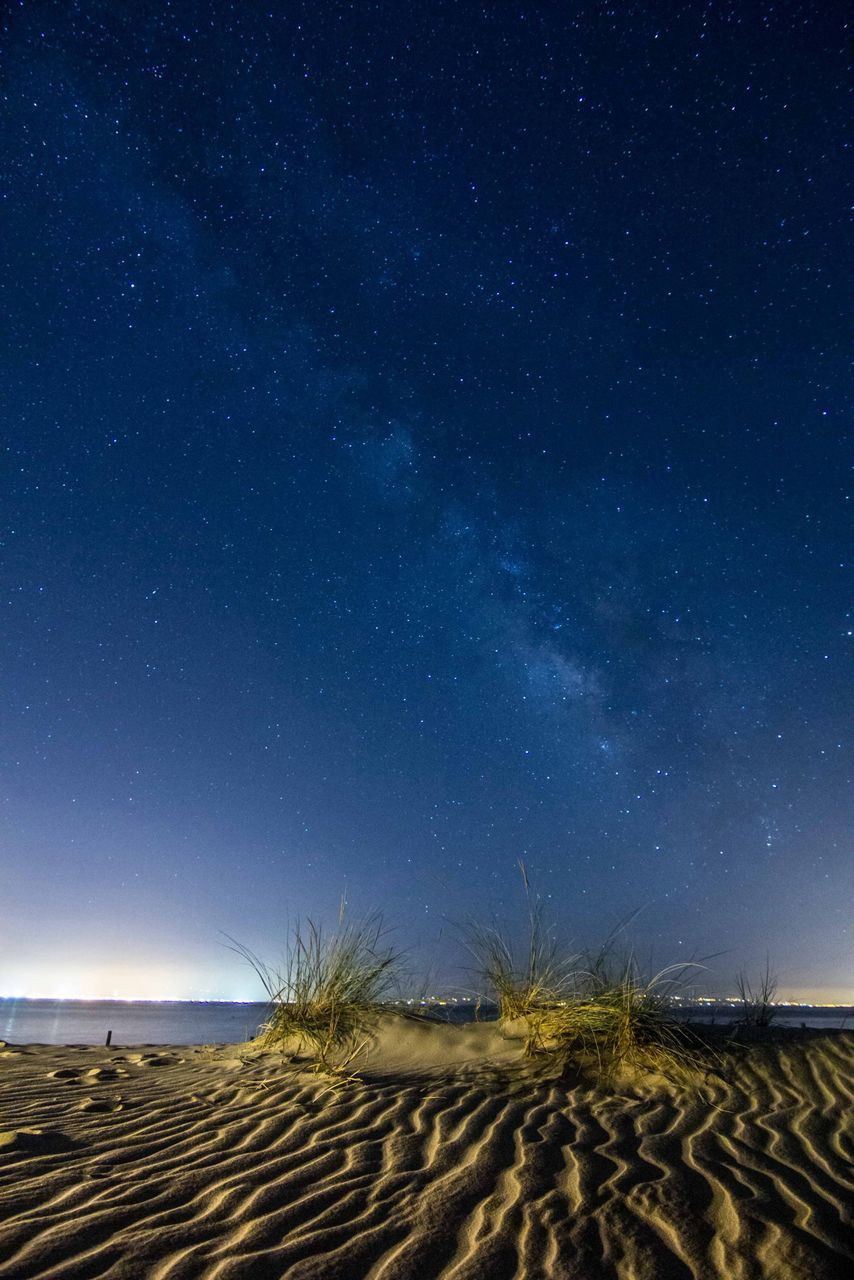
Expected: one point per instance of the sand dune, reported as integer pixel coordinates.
(449, 1158)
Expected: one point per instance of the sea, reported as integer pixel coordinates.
(136, 1022)
(130, 1021)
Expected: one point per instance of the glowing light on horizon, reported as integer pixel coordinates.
(135, 984)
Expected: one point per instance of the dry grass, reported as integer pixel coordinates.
(329, 993)
(527, 986)
(618, 1020)
(595, 1010)
(757, 1002)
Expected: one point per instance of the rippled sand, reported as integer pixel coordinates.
(449, 1159)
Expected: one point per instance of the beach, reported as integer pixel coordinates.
(448, 1155)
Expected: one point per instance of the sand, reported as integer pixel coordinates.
(448, 1158)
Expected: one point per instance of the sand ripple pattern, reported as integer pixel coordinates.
(199, 1165)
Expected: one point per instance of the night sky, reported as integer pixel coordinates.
(424, 448)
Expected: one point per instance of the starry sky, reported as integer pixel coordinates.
(423, 450)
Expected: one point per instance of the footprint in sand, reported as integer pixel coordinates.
(105, 1073)
(102, 1104)
(71, 1074)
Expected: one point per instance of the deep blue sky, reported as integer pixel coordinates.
(425, 450)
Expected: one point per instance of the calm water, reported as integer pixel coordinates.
(131, 1022)
(832, 1018)
(192, 1022)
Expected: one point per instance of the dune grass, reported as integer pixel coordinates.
(327, 996)
(757, 1002)
(527, 986)
(595, 1009)
(621, 1020)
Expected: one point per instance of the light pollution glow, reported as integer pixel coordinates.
(128, 984)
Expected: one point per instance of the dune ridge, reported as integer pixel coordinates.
(449, 1157)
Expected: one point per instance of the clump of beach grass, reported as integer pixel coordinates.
(329, 993)
(596, 1011)
(619, 1021)
(526, 983)
(757, 1001)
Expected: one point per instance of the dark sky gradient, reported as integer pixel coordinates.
(425, 450)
